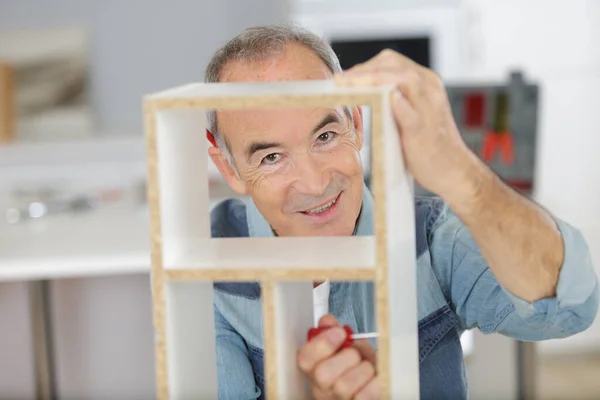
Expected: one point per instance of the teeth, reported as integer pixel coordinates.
(322, 208)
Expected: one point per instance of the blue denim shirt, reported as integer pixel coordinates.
(456, 291)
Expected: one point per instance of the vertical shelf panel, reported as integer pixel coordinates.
(267, 294)
(401, 268)
(293, 318)
(191, 342)
(183, 179)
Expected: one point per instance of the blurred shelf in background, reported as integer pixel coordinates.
(45, 91)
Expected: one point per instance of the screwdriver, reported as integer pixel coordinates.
(350, 335)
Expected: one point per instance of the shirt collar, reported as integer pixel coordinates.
(259, 227)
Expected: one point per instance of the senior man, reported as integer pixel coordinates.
(488, 258)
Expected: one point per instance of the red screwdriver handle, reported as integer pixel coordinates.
(312, 332)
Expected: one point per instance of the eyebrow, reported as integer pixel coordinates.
(259, 146)
(329, 119)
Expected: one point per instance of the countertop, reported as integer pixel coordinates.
(103, 242)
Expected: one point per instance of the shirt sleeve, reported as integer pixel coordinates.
(481, 302)
(234, 369)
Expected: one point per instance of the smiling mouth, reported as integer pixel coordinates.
(323, 208)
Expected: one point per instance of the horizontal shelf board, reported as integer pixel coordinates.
(355, 252)
(245, 275)
(257, 89)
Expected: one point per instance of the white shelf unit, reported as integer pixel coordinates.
(186, 260)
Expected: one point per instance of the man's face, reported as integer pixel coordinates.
(301, 167)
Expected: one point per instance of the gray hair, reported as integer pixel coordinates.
(258, 43)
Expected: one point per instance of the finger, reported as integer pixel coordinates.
(329, 371)
(407, 118)
(354, 380)
(385, 58)
(392, 57)
(366, 351)
(372, 391)
(409, 83)
(320, 394)
(321, 347)
(327, 321)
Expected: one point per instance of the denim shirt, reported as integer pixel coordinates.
(456, 291)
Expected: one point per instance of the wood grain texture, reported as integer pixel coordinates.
(158, 292)
(268, 277)
(269, 337)
(241, 275)
(381, 265)
(7, 103)
(267, 102)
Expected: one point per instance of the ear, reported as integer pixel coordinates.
(227, 170)
(357, 116)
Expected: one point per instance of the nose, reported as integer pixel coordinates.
(312, 177)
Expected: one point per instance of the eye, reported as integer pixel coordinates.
(326, 137)
(271, 158)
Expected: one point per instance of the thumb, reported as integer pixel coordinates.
(328, 321)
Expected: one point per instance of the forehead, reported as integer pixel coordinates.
(295, 63)
(280, 125)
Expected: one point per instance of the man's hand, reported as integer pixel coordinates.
(518, 239)
(433, 149)
(338, 373)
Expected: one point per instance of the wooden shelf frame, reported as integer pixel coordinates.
(174, 123)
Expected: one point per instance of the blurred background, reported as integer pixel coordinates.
(75, 305)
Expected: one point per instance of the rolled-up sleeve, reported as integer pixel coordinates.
(481, 302)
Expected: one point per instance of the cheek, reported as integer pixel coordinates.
(266, 189)
(345, 158)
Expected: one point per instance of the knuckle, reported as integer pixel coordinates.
(371, 391)
(363, 396)
(435, 78)
(407, 88)
(310, 353)
(322, 377)
(387, 53)
(322, 348)
(317, 393)
(353, 354)
(413, 76)
(343, 388)
(369, 368)
(303, 359)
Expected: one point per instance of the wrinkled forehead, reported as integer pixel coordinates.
(270, 124)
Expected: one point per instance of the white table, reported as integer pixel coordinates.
(95, 244)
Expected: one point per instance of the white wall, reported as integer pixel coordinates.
(556, 44)
(141, 46)
(342, 6)
(104, 335)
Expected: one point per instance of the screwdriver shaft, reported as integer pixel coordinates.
(358, 336)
